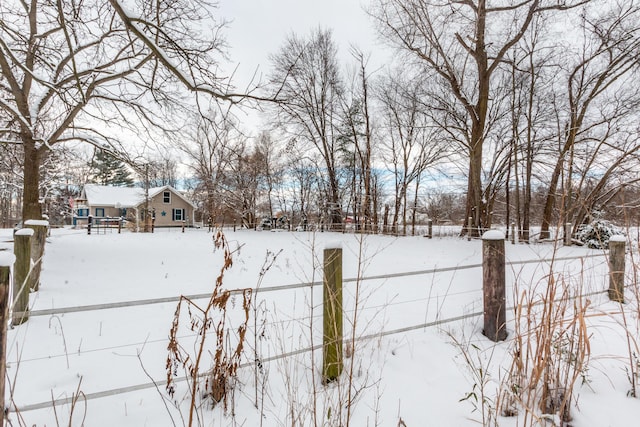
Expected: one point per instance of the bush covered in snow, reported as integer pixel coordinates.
(596, 235)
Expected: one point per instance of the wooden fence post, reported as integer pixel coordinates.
(469, 228)
(567, 234)
(22, 271)
(183, 224)
(513, 233)
(38, 240)
(332, 315)
(6, 260)
(493, 282)
(616, 268)
(430, 227)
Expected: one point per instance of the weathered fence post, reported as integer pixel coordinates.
(513, 233)
(38, 240)
(567, 234)
(494, 290)
(332, 315)
(469, 228)
(430, 227)
(616, 268)
(6, 260)
(183, 224)
(21, 273)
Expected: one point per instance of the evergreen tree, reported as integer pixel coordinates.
(108, 170)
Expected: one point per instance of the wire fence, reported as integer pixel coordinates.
(280, 288)
(238, 291)
(161, 383)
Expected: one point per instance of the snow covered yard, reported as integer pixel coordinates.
(110, 362)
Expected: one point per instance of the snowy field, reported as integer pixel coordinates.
(418, 351)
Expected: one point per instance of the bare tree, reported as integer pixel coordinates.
(61, 171)
(463, 43)
(443, 206)
(163, 171)
(357, 141)
(306, 74)
(71, 68)
(267, 154)
(245, 183)
(10, 183)
(302, 171)
(593, 194)
(410, 142)
(209, 153)
(531, 79)
(598, 93)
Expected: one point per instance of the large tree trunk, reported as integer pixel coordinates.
(550, 202)
(31, 208)
(474, 207)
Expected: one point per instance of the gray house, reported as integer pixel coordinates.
(166, 205)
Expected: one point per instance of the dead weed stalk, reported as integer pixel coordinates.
(550, 353)
(217, 382)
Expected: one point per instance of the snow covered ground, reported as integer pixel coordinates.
(110, 363)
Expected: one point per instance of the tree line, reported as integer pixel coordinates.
(531, 104)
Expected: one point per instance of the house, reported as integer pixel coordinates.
(166, 205)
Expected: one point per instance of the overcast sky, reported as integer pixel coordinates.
(258, 28)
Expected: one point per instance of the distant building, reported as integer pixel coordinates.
(166, 205)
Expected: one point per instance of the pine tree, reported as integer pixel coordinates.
(108, 170)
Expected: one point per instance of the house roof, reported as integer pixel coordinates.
(156, 190)
(126, 197)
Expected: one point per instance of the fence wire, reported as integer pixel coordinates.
(162, 383)
(175, 299)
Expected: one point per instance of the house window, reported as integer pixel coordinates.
(99, 211)
(178, 214)
(166, 197)
(83, 212)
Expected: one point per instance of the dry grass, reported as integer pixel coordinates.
(214, 384)
(550, 352)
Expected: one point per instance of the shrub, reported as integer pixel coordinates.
(596, 235)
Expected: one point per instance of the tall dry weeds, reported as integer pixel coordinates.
(633, 311)
(550, 352)
(213, 382)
